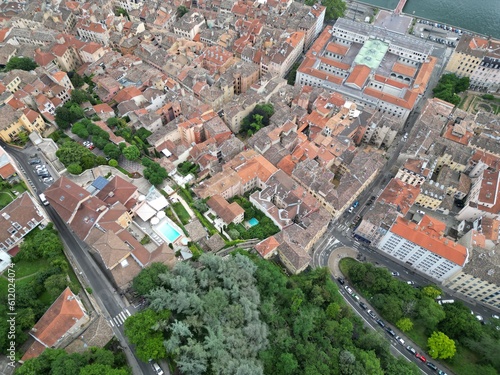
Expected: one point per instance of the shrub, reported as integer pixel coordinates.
(74, 168)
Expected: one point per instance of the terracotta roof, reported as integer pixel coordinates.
(265, 248)
(127, 93)
(295, 38)
(43, 58)
(337, 49)
(227, 212)
(358, 76)
(65, 196)
(424, 74)
(490, 228)
(390, 82)
(404, 69)
(406, 102)
(400, 195)
(63, 315)
(429, 234)
(7, 170)
(31, 115)
(3, 34)
(118, 190)
(111, 248)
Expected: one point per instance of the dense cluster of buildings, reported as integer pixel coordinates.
(192, 79)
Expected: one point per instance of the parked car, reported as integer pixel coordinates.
(395, 273)
(421, 357)
(363, 305)
(157, 368)
(441, 372)
(411, 350)
(381, 323)
(32, 156)
(494, 316)
(341, 280)
(410, 282)
(400, 340)
(35, 161)
(372, 314)
(355, 296)
(432, 366)
(390, 331)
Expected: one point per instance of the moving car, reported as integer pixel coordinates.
(341, 280)
(444, 301)
(390, 331)
(395, 273)
(411, 350)
(432, 366)
(421, 357)
(410, 282)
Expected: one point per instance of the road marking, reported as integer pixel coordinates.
(111, 321)
(128, 312)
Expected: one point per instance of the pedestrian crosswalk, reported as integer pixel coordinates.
(120, 318)
(342, 227)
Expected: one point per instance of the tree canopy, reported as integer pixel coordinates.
(449, 86)
(131, 152)
(153, 172)
(94, 361)
(334, 8)
(23, 63)
(215, 325)
(257, 119)
(441, 346)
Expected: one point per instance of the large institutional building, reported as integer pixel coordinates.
(424, 247)
(371, 65)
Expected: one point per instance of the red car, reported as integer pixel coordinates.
(421, 357)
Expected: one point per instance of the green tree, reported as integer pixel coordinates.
(68, 114)
(404, 324)
(112, 150)
(98, 369)
(431, 291)
(441, 346)
(113, 163)
(23, 63)
(76, 79)
(116, 122)
(80, 129)
(430, 312)
(334, 8)
(131, 152)
(181, 11)
(79, 96)
(200, 205)
(148, 278)
(459, 323)
(139, 330)
(73, 153)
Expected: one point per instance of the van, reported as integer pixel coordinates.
(444, 301)
(43, 199)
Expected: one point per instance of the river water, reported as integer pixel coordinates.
(481, 16)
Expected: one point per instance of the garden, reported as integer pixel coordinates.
(10, 192)
(265, 228)
(42, 273)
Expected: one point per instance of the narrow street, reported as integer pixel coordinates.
(110, 303)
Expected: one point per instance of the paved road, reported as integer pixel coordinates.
(110, 303)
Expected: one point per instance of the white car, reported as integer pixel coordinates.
(494, 316)
(157, 368)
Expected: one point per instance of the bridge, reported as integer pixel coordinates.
(399, 8)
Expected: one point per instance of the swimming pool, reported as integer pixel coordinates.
(253, 222)
(167, 231)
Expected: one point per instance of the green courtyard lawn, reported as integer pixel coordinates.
(181, 212)
(7, 195)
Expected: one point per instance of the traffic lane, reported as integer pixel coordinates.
(395, 347)
(410, 275)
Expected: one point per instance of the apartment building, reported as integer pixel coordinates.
(189, 25)
(281, 59)
(424, 247)
(93, 31)
(484, 197)
(414, 172)
(13, 122)
(479, 59)
(479, 279)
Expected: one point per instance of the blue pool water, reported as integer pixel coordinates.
(168, 231)
(253, 222)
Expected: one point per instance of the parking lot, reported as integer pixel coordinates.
(41, 169)
(439, 33)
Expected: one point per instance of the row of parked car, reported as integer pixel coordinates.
(441, 26)
(40, 169)
(388, 329)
